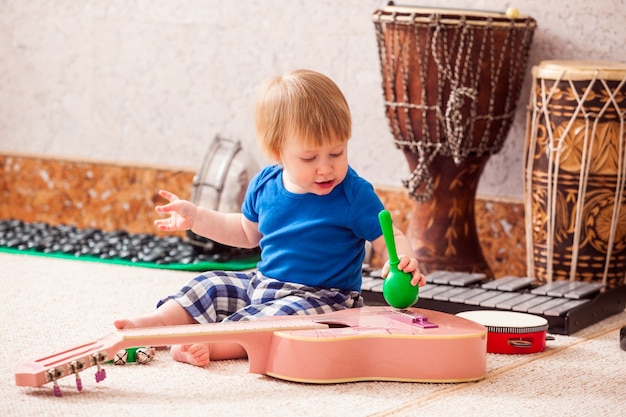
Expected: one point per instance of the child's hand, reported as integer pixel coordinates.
(408, 265)
(182, 213)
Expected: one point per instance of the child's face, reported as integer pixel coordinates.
(313, 169)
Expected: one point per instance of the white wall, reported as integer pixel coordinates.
(151, 81)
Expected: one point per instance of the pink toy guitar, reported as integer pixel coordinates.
(363, 344)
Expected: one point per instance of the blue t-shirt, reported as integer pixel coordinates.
(309, 239)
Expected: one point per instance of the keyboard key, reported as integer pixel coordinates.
(477, 300)
(493, 301)
(518, 299)
(467, 294)
(445, 296)
(540, 308)
(584, 291)
(517, 284)
(526, 305)
(551, 286)
(463, 279)
(564, 308)
(567, 287)
(431, 292)
(438, 277)
(496, 283)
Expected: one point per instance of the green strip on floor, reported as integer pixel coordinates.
(230, 265)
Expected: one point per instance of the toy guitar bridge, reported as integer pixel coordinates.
(413, 318)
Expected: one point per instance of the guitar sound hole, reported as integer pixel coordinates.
(334, 324)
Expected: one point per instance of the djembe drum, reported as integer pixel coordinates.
(451, 81)
(575, 172)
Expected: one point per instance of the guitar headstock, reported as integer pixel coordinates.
(68, 362)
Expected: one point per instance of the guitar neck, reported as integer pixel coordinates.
(255, 336)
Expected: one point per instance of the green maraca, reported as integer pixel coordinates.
(397, 288)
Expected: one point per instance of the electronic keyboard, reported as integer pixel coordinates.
(569, 306)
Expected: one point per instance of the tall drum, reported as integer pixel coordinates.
(451, 82)
(575, 172)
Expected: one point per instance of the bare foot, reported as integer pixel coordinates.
(196, 354)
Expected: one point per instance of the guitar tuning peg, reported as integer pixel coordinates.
(75, 368)
(100, 374)
(53, 375)
(79, 383)
(57, 389)
(98, 359)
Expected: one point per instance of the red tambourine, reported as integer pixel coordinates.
(511, 332)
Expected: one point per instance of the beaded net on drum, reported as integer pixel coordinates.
(450, 84)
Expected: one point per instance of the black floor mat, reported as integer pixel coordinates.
(120, 247)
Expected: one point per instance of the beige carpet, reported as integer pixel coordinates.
(48, 305)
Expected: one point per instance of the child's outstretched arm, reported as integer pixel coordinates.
(182, 213)
(231, 229)
(408, 262)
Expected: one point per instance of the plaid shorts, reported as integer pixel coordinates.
(232, 296)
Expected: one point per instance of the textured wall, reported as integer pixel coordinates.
(150, 82)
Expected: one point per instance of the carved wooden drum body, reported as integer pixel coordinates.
(575, 172)
(451, 81)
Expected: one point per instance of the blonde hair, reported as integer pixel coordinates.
(302, 103)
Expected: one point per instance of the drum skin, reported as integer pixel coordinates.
(575, 172)
(451, 82)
